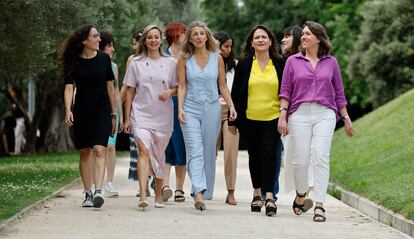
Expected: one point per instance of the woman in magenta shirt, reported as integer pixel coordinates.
(312, 97)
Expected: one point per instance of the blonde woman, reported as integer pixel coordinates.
(200, 74)
(152, 80)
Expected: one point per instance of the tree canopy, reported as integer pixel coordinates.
(373, 42)
(382, 61)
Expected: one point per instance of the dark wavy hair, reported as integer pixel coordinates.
(72, 48)
(319, 31)
(229, 62)
(106, 39)
(273, 49)
(296, 33)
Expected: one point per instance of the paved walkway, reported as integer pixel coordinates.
(62, 217)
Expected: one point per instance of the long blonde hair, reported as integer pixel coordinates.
(187, 49)
(142, 50)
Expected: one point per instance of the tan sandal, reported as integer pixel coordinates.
(318, 217)
(166, 193)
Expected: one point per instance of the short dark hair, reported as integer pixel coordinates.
(106, 39)
(319, 31)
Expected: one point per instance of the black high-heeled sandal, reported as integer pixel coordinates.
(256, 205)
(271, 207)
(298, 206)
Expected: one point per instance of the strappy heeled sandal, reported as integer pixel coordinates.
(298, 206)
(271, 207)
(256, 205)
(317, 217)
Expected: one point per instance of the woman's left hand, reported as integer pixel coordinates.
(349, 131)
(233, 113)
(121, 126)
(165, 95)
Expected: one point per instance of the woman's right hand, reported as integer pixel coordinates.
(69, 118)
(181, 116)
(282, 126)
(127, 126)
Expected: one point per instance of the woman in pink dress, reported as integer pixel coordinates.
(151, 79)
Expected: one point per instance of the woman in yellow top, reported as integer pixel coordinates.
(255, 94)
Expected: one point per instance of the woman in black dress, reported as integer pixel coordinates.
(93, 115)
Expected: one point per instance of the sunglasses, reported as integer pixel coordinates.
(95, 35)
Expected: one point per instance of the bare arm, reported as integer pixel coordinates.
(282, 124)
(118, 100)
(130, 92)
(68, 99)
(224, 91)
(182, 88)
(349, 131)
(111, 93)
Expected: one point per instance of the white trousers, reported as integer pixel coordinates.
(311, 129)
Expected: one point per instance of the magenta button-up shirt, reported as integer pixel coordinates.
(302, 84)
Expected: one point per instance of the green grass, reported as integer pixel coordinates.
(27, 179)
(378, 162)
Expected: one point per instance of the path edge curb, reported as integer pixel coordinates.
(375, 211)
(22, 212)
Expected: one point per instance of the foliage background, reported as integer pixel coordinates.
(372, 39)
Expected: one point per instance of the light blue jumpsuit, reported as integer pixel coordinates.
(203, 115)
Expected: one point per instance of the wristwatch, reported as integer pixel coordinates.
(345, 117)
(282, 109)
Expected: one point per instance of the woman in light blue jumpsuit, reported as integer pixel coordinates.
(200, 69)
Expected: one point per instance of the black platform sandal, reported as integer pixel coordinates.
(317, 217)
(271, 207)
(179, 195)
(298, 206)
(256, 205)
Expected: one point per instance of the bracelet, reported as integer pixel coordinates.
(282, 109)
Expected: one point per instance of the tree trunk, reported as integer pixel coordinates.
(55, 136)
(58, 136)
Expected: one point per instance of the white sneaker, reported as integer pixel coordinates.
(111, 191)
(98, 199)
(88, 202)
(159, 205)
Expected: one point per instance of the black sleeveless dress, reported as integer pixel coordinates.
(92, 109)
